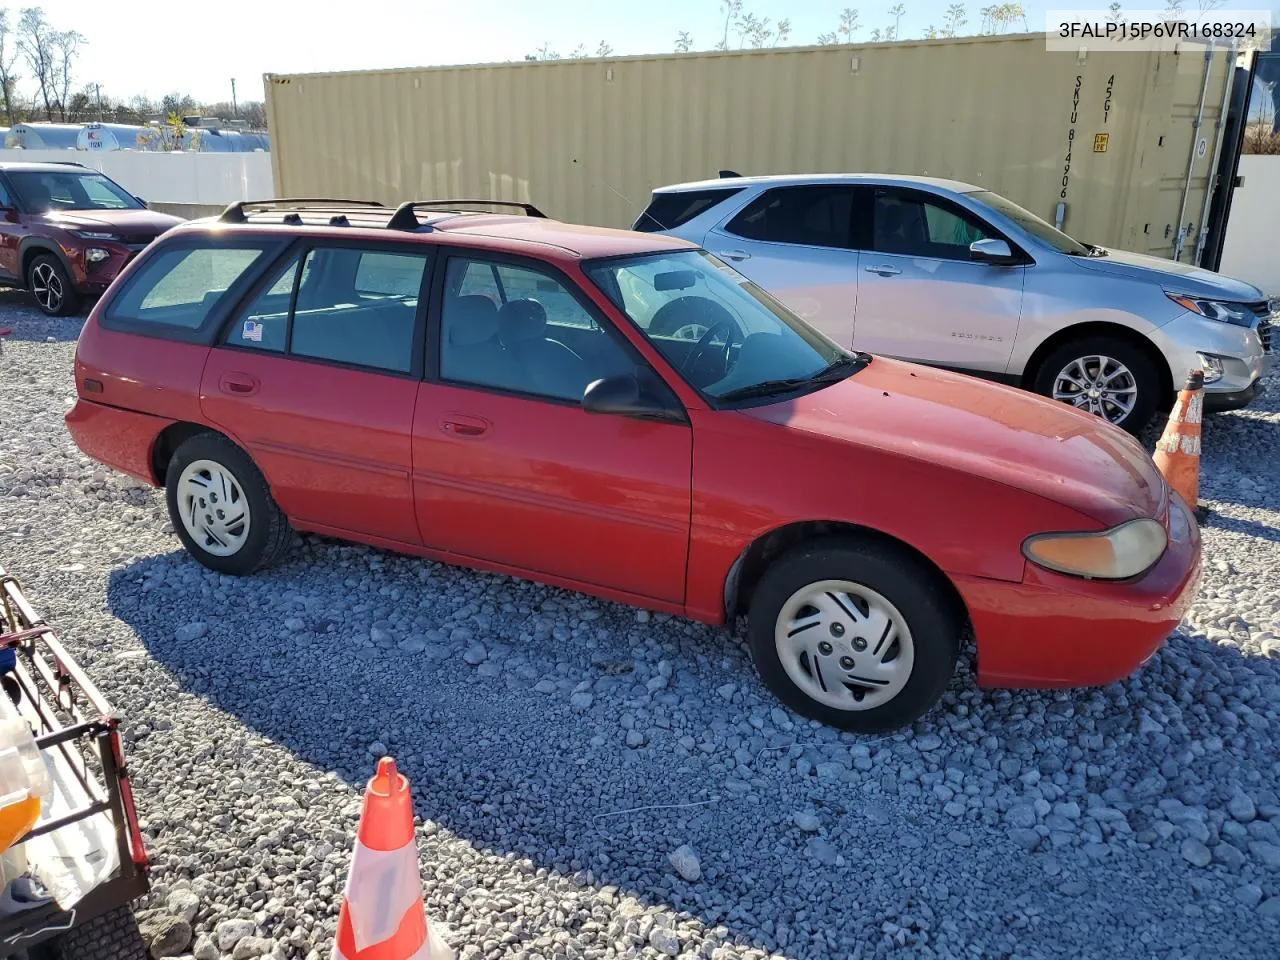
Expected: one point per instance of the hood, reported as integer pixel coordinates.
(1007, 435)
(1171, 275)
(127, 223)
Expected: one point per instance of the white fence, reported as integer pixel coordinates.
(1251, 250)
(203, 178)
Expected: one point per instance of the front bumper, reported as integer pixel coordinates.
(1053, 630)
(1244, 359)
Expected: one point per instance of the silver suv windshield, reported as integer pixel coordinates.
(727, 337)
(1040, 229)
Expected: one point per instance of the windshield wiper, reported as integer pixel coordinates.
(837, 370)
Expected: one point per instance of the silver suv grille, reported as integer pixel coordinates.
(1268, 312)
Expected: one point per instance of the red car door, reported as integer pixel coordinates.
(317, 379)
(509, 468)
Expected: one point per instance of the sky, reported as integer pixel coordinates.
(154, 47)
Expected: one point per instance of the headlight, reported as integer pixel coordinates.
(1224, 310)
(1212, 367)
(1116, 554)
(96, 255)
(93, 235)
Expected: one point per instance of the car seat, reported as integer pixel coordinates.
(471, 349)
(546, 366)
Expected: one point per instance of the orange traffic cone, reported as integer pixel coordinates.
(1178, 453)
(383, 916)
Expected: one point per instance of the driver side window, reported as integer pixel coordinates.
(909, 224)
(519, 329)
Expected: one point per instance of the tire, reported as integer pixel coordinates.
(888, 581)
(48, 282)
(1142, 371)
(239, 539)
(109, 936)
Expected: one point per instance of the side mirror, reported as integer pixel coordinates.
(623, 395)
(991, 250)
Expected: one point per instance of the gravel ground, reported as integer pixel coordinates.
(595, 781)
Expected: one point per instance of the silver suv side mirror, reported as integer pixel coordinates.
(991, 250)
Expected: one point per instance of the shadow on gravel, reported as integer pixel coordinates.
(20, 315)
(523, 748)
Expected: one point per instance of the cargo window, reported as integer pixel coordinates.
(179, 286)
(813, 215)
(666, 211)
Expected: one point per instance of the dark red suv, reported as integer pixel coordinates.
(67, 230)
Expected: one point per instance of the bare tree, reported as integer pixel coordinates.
(8, 61)
(931, 32)
(957, 16)
(579, 52)
(848, 24)
(66, 46)
(684, 41)
(732, 10)
(604, 50)
(35, 40)
(1207, 5)
(1173, 7)
(1115, 16)
(897, 12)
(544, 52)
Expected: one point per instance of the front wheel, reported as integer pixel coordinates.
(1104, 376)
(221, 507)
(49, 283)
(859, 635)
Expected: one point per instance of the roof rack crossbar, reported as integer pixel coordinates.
(404, 218)
(235, 213)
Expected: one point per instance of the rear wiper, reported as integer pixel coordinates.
(832, 372)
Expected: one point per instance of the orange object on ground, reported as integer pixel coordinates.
(1177, 454)
(383, 916)
(5, 331)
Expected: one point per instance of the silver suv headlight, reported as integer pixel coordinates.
(1225, 310)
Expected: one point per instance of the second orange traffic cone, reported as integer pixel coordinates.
(1178, 453)
(383, 916)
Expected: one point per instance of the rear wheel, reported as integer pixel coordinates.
(1105, 376)
(221, 507)
(860, 635)
(110, 936)
(49, 283)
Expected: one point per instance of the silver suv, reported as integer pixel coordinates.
(953, 275)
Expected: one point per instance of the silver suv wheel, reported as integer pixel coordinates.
(1098, 384)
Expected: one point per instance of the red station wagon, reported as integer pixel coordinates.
(485, 389)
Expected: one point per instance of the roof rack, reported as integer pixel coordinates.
(235, 213)
(405, 219)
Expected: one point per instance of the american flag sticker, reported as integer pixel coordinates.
(252, 331)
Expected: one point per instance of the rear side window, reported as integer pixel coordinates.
(666, 211)
(351, 306)
(816, 215)
(178, 287)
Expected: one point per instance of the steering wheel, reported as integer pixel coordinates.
(726, 326)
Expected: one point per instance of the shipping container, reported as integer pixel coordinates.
(1105, 143)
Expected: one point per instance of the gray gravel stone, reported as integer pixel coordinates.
(1196, 853)
(249, 744)
(231, 932)
(685, 861)
(806, 820)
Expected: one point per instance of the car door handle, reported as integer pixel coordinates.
(238, 384)
(733, 255)
(460, 425)
(885, 270)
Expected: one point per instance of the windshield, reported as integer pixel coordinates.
(725, 335)
(41, 190)
(1028, 221)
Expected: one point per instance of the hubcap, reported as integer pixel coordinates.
(1100, 385)
(46, 287)
(844, 645)
(214, 509)
(690, 331)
